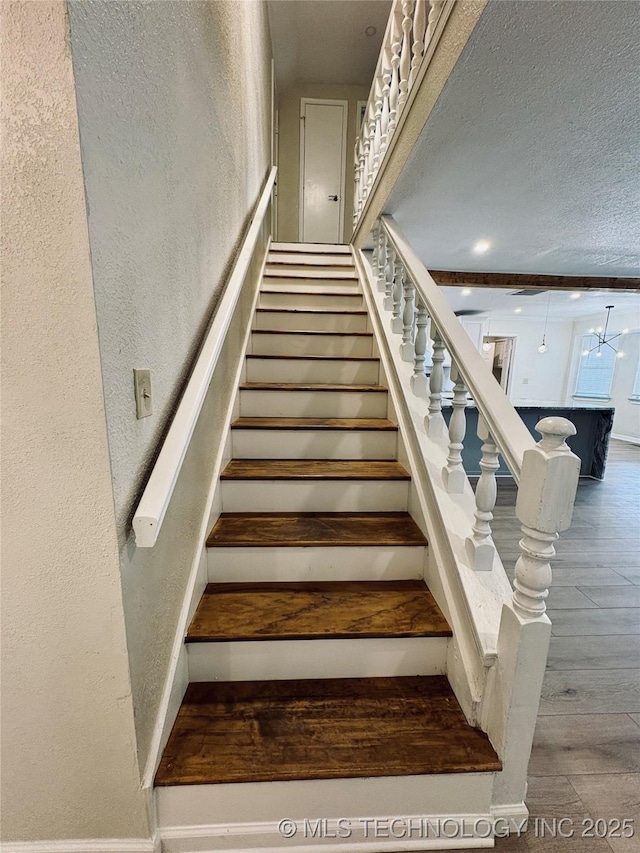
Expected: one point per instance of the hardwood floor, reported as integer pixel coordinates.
(585, 763)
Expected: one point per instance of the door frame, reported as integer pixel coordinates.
(343, 165)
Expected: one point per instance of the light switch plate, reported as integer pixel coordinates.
(142, 389)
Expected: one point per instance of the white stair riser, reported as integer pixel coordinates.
(280, 299)
(337, 563)
(285, 659)
(290, 343)
(314, 495)
(310, 259)
(310, 404)
(330, 322)
(234, 804)
(304, 249)
(302, 272)
(313, 444)
(309, 285)
(311, 371)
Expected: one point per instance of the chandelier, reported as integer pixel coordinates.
(603, 340)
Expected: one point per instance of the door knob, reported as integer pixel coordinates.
(333, 198)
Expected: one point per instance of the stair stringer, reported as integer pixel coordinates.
(472, 651)
(177, 678)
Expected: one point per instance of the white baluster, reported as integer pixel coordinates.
(366, 147)
(375, 257)
(453, 473)
(356, 187)
(480, 547)
(396, 45)
(383, 251)
(362, 178)
(389, 275)
(547, 490)
(386, 88)
(377, 133)
(371, 153)
(419, 27)
(398, 284)
(434, 422)
(405, 56)
(419, 378)
(408, 319)
(434, 14)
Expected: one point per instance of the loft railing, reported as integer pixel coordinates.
(412, 31)
(509, 630)
(153, 505)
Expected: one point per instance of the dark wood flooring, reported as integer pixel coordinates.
(586, 757)
(251, 731)
(317, 610)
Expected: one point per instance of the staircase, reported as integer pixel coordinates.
(317, 655)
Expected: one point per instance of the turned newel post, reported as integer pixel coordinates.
(419, 378)
(408, 319)
(480, 547)
(547, 491)
(434, 422)
(453, 473)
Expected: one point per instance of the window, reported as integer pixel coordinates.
(595, 370)
(635, 394)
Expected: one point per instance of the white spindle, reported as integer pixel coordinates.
(398, 285)
(375, 258)
(377, 133)
(408, 319)
(396, 45)
(480, 547)
(548, 484)
(383, 253)
(389, 275)
(356, 186)
(386, 88)
(405, 56)
(434, 14)
(419, 378)
(363, 161)
(419, 28)
(453, 473)
(434, 422)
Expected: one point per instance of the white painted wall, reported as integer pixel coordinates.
(174, 109)
(546, 373)
(626, 421)
(69, 765)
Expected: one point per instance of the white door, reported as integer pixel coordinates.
(323, 142)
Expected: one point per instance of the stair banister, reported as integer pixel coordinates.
(153, 505)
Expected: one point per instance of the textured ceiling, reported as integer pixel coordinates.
(534, 145)
(324, 41)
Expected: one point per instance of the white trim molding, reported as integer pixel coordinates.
(85, 845)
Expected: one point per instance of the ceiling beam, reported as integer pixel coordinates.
(527, 281)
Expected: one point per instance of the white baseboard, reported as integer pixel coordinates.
(357, 835)
(631, 439)
(84, 845)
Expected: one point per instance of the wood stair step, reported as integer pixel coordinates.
(311, 248)
(360, 313)
(316, 259)
(314, 529)
(315, 357)
(341, 274)
(330, 610)
(312, 332)
(262, 731)
(291, 291)
(314, 469)
(315, 423)
(297, 386)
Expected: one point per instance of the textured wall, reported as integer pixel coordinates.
(174, 113)
(69, 765)
(289, 152)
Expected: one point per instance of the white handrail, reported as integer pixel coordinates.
(153, 505)
(505, 424)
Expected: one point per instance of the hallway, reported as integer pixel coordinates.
(586, 755)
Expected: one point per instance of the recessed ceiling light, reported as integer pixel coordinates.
(517, 311)
(466, 291)
(481, 247)
(575, 296)
(371, 31)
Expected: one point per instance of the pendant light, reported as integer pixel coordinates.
(543, 346)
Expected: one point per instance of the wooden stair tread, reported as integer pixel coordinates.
(311, 248)
(298, 386)
(259, 731)
(320, 610)
(292, 292)
(315, 529)
(360, 313)
(342, 274)
(316, 357)
(314, 469)
(312, 332)
(316, 423)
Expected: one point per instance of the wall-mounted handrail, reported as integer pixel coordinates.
(155, 499)
(505, 424)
